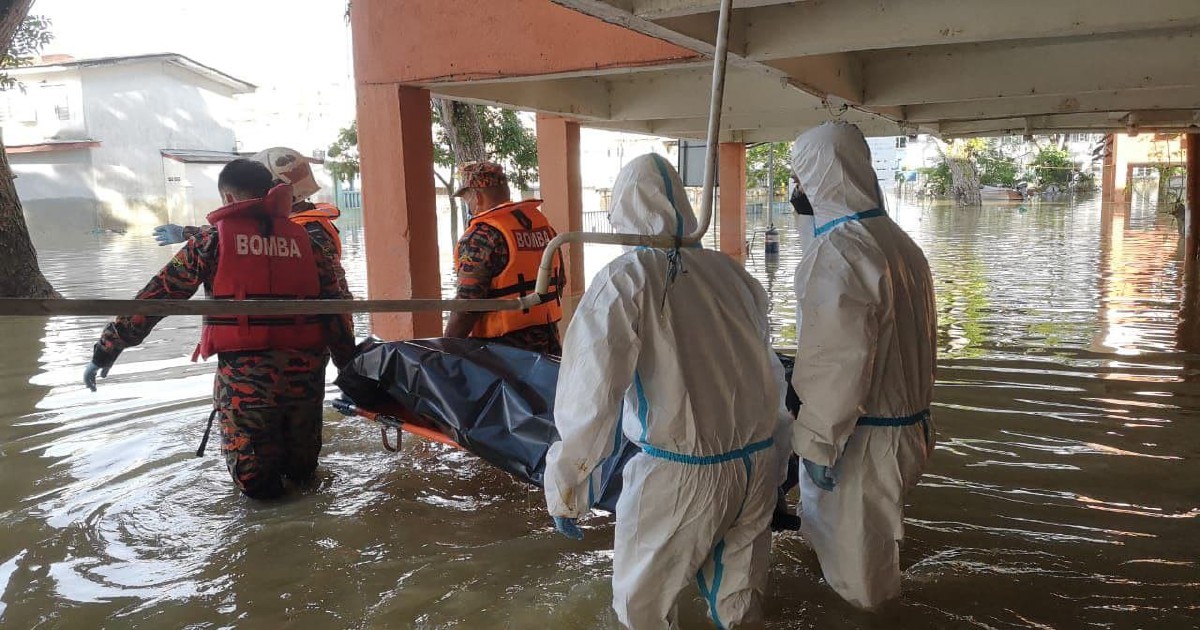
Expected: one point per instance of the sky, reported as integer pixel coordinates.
(297, 52)
(265, 42)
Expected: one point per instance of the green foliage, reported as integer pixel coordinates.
(937, 178)
(508, 141)
(758, 157)
(342, 158)
(1052, 166)
(996, 168)
(33, 35)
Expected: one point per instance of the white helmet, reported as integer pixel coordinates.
(290, 167)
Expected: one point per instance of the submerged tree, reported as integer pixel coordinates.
(758, 163)
(463, 133)
(21, 36)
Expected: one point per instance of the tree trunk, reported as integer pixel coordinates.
(460, 123)
(964, 180)
(21, 277)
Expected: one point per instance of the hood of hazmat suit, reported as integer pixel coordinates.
(672, 348)
(866, 349)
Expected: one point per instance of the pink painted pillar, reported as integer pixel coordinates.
(732, 181)
(562, 190)
(395, 145)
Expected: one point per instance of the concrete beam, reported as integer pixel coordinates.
(833, 26)
(659, 9)
(1092, 122)
(577, 98)
(1113, 101)
(684, 94)
(990, 71)
(839, 75)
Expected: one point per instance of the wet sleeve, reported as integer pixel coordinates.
(191, 230)
(339, 328)
(190, 268)
(837, 329)
(599, 357)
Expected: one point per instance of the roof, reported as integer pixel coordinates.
(204, 156)
(55, 62)
(52, 145)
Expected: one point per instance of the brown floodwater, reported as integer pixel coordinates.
(1065, 492)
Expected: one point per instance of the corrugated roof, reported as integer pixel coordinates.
(234, 83)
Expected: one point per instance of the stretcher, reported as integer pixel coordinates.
(491, 400)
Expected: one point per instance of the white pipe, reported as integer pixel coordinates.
(710, 179)
(714, 120)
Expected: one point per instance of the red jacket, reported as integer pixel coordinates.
(262, 254)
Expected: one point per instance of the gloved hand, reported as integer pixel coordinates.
(568, 527)
(169, 234)
(89, 375)
(820, 475)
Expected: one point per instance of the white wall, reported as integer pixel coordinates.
(31, 116)
(55, 188)
(135, 111)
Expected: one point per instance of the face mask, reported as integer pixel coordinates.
(801, 204)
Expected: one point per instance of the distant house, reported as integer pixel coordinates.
(118, 141)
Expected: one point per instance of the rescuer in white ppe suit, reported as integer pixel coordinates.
(672, 347)
(866, 351)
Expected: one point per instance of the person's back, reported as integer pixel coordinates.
(671, 348)
(270, 369)
(691, 342)
(866, 334)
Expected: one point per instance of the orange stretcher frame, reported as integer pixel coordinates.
(399, 420)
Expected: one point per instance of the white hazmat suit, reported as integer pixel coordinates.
(685, 369)
(866, 349)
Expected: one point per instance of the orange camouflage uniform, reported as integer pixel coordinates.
(269, 403)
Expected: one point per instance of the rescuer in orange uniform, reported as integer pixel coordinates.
(498, 257)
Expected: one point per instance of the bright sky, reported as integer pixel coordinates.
(281, 43)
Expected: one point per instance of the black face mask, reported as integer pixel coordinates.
(800, 203)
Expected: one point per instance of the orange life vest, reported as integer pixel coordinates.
(323, 214)
(527, 232)
(261, 254)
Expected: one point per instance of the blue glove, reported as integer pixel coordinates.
(169, 234)
(89, 375)
(820, 475)
(568, 527)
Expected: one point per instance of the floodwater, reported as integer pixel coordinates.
(1063, 493)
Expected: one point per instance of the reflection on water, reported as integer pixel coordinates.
(1063, 494)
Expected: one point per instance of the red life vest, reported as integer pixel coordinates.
(323, 214)
(527, 232)
(262, 254)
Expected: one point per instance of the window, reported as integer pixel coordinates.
(56, 96)
(901, 142)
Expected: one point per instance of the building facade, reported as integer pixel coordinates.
(95, 143)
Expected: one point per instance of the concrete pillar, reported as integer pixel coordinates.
(562, 190)
(1108, 174)
(395, 144)
(1192, 211)
(732, 183)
